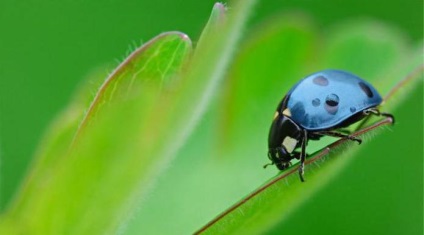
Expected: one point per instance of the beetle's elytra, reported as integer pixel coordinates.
(317, 106)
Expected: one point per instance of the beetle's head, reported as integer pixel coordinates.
(279, 157)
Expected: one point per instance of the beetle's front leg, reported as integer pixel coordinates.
(303, 156)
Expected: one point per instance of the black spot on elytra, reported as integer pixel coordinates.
(352, 109)
(332, 104)
(298, 112)
(320, 81)
(316, 102)
(366, 89)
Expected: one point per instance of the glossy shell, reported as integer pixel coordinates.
(325, 99)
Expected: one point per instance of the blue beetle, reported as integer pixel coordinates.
(315, 107)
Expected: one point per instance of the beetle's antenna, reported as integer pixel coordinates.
(268, 164)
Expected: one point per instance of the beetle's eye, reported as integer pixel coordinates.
(332, 100)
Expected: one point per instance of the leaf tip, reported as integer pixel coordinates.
(220, 7)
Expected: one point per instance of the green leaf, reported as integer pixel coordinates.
(64, 176)
(210, 62)
(144, 69)
(128, 136)
(216, 48)
(216, 21)
(274, 204)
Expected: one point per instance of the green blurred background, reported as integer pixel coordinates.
(48, 47)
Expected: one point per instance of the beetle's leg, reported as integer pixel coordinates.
(377, 112)
(374, 111)
(388, 115)
(336, 134)
(371, 111)
(303, 156)
(296, 155)
(344, 131)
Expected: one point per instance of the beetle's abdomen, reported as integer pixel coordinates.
(325, 99)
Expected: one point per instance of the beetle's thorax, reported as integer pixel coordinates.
(285, 133)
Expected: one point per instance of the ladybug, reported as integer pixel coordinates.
(319, 105)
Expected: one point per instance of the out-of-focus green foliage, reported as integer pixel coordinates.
(132, 129)
(67, 175)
